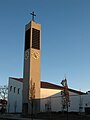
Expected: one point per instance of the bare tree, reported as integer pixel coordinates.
(3, 92)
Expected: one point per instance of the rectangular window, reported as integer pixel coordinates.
(18, 90)
(10, 88)
(35, 38)
(14, 89)
(27, 39)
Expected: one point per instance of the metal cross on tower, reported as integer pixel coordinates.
(33, 14)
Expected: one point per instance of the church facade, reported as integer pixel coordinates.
(50, 97)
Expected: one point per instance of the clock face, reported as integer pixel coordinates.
(26, 54)
(35, 54)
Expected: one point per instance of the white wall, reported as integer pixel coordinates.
(44, 92)
(86, 100)
(48, 99)
(51, 99)
(14, 99)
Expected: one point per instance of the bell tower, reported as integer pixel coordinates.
(31, 73)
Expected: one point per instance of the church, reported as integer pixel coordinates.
(50, 97)
(29, 94)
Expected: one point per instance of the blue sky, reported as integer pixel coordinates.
(65, 40)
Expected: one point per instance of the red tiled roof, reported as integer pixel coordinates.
(50, 85)
(18, 79)
(53, 86)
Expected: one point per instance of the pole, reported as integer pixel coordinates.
(67, 110)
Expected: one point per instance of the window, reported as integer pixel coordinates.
(18, 90)
(14, 89)
(10, 88)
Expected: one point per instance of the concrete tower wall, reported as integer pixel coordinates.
(31, 86)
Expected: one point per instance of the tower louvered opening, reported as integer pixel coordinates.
(27, 39)
(35, 38)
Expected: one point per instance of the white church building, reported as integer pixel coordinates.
(47, 96)
(50, 97)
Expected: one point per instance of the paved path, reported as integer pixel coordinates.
(52, 117)
(14, 117)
